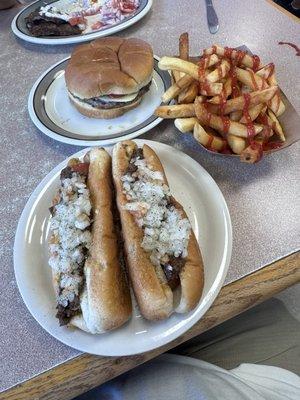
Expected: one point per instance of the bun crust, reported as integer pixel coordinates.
(154, 296)
(109, 65)
(191, 276)
(101, 113)
(105, 300)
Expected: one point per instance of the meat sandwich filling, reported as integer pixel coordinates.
(114, 100)
(165, 231)
(71, 238)
(43, 25)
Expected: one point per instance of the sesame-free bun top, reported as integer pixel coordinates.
(110, 65)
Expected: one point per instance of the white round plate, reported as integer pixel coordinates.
(51, 111)
(206, 208)
(19, 28)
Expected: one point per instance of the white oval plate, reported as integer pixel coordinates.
(52, 113)
(19, 28)
(207, 210)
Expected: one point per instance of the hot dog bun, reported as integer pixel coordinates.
(153, 293)
(105, 299)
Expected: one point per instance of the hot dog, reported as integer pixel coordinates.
(85, 247)
(163, 257)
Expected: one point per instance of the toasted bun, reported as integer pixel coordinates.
(101, 113)
(110, 65)
(105, 301)
(154, 296)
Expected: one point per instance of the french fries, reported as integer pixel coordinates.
(185, 125)
(189, 94)
(253, 113)
(247, 99)
(257, 82)
(238, 56)
(187, 67)
(184, 46)
(208, 140)
(224, 125)
(226, 92)
(218, 73)
(176, 88)
(237, 144)
(229, 100)
(210, 89)
(276, 125)
(176, 111)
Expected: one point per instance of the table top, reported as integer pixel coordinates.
(261, 198)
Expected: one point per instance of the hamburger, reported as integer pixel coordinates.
(109, 76)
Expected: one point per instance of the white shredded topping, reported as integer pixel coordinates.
(166, 232)
(94, 14)
(68, 225)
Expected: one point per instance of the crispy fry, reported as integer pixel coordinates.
(210, 61)
(267, 71)
(226, 92)
(252, 153)
(272, 81)
(238, 56)
(276, 104)
(236, 143)
(218, 73)
(208, 140)
(176, 88)
(185, 124)
(276, 125)
(210, 130)
(238, 103)
(264, 109)
(210, 89)
(257, 82)
(189, 94)
(222, 124)
(176, 111)
(250, 79)
(236, 115)
(253, 113)
(176, 76)
(265, 134)
(184, 46)
(174, 63)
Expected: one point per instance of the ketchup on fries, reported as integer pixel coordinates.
(228, 98)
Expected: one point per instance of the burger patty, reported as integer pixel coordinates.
(98, 103)
(40, 25)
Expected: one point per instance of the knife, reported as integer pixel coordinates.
(212, 18)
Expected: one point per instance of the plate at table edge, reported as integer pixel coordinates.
(143, 126)
(36, 287)
(61, 40)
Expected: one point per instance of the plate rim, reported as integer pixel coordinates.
(80, 142)
(78, 38)
(213, 290)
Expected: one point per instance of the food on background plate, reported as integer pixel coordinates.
(227, 97)
(163, 256)
(73, 17)
(109, 76)
(86, 247)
